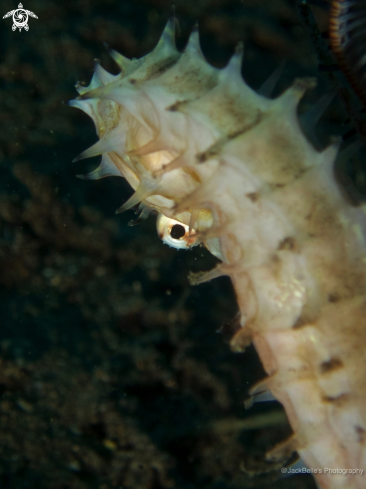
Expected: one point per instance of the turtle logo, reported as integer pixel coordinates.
(20, 18)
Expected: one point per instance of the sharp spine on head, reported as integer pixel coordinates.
(167, 39)
(145, 189)
(145, 211)
(310, 118)
(121, 60)
(105, 169)
(236, 61)
(193, 47)
(201, 277)
(266, 89)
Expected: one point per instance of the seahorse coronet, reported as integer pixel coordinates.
(199, 146)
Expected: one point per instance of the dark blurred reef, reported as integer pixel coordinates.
(112, 373)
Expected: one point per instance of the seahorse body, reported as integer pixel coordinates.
(200, 146)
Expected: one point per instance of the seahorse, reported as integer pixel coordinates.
(231, 169)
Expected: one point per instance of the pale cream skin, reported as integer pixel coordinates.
(202, 148)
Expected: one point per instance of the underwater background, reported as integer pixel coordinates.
(114, 371)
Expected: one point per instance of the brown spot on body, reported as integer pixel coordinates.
(175, 107)
(288, 244)
(331, 365)
(333, 298)
(202, 157)
(253, 196)
(158, 68)
(277, 185)
(300, 323)
(339, 400)
(361, 433)
(300, 173)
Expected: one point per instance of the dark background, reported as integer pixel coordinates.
(112, 372)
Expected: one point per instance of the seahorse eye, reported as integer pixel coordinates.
(177, 231)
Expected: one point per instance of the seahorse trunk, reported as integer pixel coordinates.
(200, 146)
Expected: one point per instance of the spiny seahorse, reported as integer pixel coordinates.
(230, 168)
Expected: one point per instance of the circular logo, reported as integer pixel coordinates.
(20, 19)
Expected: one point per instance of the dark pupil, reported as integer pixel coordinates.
(177, 231)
